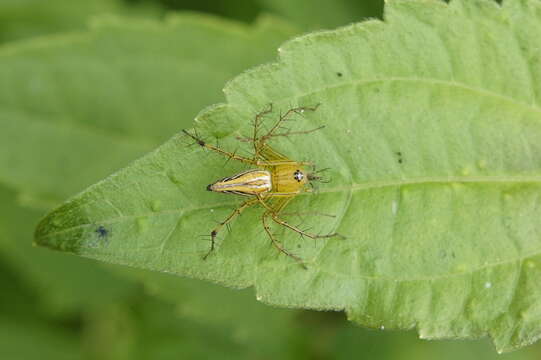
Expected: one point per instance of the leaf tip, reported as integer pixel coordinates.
(61, 229)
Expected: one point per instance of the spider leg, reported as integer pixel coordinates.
(287, 133)
(231, 216)
(277, 220)
(284, 117)
(281, 162)
(309, 213)
(276, 243)
(276, 211)
(216, 149)
(259, 142)
(257, 124)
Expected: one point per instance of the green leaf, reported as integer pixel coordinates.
(349, 342)
(36, 340)
(240, 10)
(237, 314)
(21, 324)
(433, 139)
(21, 19)
(323, 13)
(149, 329)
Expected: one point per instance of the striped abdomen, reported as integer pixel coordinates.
(251, 182)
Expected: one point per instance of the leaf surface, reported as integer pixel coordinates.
(432, 133)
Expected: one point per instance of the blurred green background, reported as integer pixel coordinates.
(56, 306)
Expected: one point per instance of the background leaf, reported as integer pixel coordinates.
(321, 14)
(435, 181)
(324, 14)
(20, 19)
(22, 323)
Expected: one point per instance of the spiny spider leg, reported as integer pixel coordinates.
(234, 156)
(231, 216)
(284, 117)
(273, 213)
(277, 220)
(304, 213)
(288, 133)
(216, 149)
(257, 123)
(276, 243)
(261, 150)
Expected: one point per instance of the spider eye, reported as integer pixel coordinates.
(298, 175)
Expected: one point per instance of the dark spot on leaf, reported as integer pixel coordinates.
(339, 74)
(100, 240)
(102, 232)
(399, 155)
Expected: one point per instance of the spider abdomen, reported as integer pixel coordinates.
(251, 182)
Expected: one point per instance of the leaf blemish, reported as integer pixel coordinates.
(461, 268)
(399, 155)
(102, 232)
(394, 207)
(174, 179)
(488, 285)
(339, 74)
(156, 205)
(101, 238)
(142, 224)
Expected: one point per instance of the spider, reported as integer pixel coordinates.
(275, 177)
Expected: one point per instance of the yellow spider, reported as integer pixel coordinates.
(276, 177)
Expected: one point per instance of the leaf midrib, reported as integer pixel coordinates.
(436, 180)
(352, 187)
